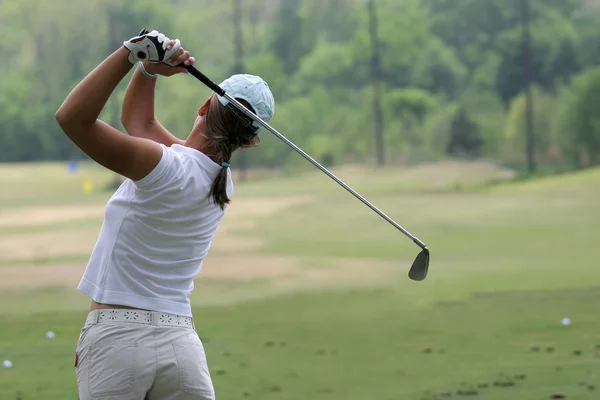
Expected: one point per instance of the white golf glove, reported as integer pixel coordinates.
(150, 47)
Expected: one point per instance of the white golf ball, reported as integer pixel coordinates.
(566, 322)
(50, 335)
(7, 364)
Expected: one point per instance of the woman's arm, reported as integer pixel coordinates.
(138, 107)
(129, 156)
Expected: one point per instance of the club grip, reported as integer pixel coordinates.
(204, 79)
(197, 74)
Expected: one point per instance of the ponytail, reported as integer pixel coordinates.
(225, 134)
(218, 191)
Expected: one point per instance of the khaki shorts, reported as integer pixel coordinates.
(141, 355)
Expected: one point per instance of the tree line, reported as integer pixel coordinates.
(450, 76)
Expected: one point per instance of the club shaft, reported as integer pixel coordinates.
(268, 127)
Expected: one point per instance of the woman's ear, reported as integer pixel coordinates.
(204, 109)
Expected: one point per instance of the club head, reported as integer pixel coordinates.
(420, 266)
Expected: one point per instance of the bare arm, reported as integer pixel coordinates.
(131, 157)
(138, 111)
(138, 106)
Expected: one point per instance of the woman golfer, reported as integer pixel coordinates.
(139, 340)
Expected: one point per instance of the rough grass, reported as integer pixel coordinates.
(335, 317)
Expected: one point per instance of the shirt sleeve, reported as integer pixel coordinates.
(164, 171)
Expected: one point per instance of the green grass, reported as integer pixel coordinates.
(361, 345)
(509, 261)
(52, 227)
(50, 184)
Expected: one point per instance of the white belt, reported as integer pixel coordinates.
(139, 317)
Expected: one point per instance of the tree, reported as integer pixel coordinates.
(465, 137)
(553, 59)
(530, 146)
(290, 41)
(582, 119)
(438, 69)
(376, 82)
(544, 114)
(435, 56)
(332, 20)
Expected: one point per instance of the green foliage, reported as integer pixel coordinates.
(401, 103)
(472, 27)
(553, 55)
(268, 65)
(465, 137)
(486, 109)
(328, 65)
(291, 40)
(403, 32)
(437, 129)
(545, 129)
(332, 20)
(438, 69)
(583, 120)
(437, 56)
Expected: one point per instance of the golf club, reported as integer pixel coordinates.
(420, 265)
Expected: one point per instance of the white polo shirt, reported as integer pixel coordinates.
(155, 235)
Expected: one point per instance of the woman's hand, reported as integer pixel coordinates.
(172, 65)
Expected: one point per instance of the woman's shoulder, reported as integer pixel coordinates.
(197, 157)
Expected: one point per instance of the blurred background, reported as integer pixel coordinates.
(472, 123)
